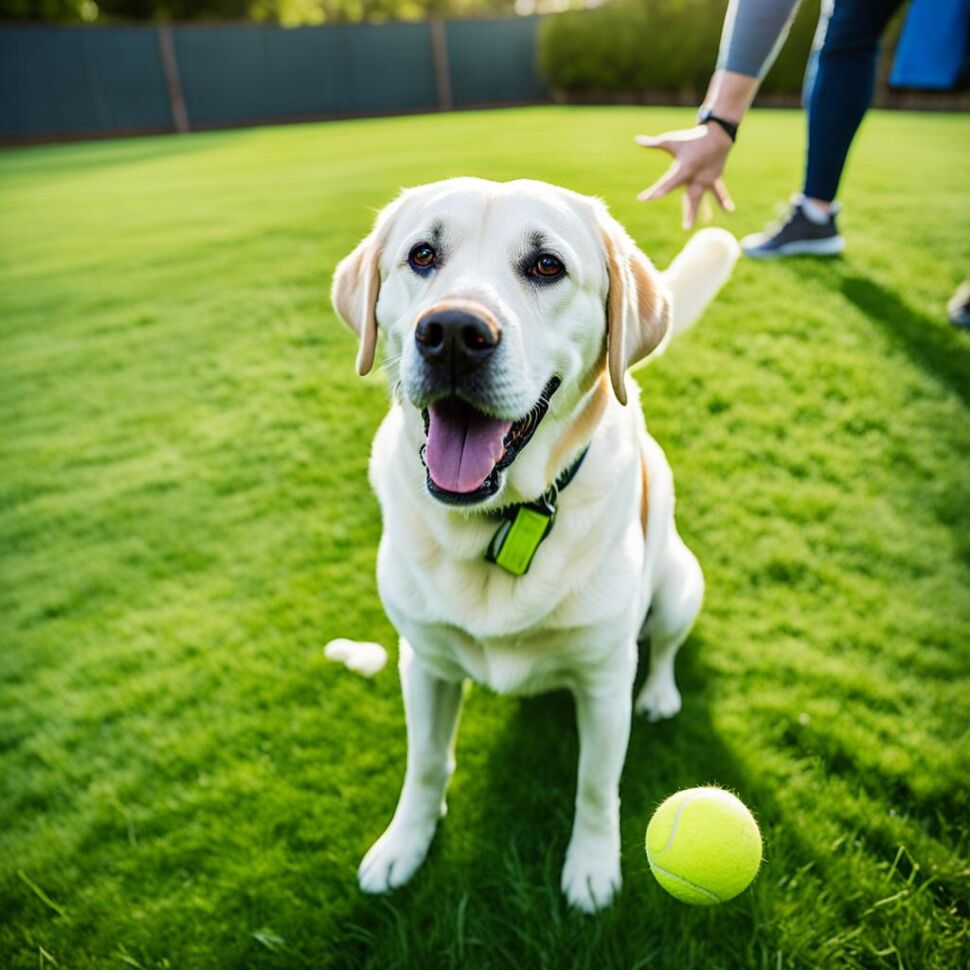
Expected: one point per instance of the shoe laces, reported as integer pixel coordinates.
(784, 213)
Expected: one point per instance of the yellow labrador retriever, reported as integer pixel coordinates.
(529, 536)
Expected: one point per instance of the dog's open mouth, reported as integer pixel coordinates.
(466, 450)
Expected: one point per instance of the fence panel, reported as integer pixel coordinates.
(56, 80)
(72, 80)
(237, 74)
(494, 61)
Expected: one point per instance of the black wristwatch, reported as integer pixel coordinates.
(705, 115)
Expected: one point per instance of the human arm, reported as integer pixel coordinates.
(753, 33)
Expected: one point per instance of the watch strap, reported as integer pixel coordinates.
(705, 116)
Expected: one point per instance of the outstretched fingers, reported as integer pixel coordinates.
(663, 142)
(692, 201)
(723, 196)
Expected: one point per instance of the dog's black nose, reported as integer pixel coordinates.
(455, 340)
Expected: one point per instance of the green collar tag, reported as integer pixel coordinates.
(517, 539)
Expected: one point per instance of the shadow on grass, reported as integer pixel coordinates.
(939, 349)
(943, 354)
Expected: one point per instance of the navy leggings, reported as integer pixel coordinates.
(840, 93)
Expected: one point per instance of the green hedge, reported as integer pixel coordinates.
(637, 47)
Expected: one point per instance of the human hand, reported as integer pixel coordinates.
(699, 155)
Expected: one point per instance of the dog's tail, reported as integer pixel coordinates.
(701, 268)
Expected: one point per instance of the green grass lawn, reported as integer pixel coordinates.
(186, 782)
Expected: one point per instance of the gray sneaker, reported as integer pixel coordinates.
(958, 309)
(795, 235)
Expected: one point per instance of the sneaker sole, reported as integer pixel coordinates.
(805, 247)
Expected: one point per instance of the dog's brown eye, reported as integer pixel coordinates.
(422, 256)
(547, 267)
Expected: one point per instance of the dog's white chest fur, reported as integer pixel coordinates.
(466, 617)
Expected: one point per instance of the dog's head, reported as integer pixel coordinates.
(498, 302)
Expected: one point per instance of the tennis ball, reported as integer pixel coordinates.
(704, 846)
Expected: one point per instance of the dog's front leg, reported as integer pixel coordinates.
(431, 707)
(591, 874)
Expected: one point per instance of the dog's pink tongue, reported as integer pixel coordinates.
(463, 446)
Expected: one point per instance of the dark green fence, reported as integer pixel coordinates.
(232, 75)
(494, 61)
(57, 81)
(63, 79)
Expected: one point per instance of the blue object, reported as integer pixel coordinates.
(933, 47)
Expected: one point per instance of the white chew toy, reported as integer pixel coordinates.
(362, 657)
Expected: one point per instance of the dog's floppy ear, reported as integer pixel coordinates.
(637, 306)
(356, 284)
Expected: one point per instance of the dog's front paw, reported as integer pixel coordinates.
(591, 875)
(659, 700)
(394, 857)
